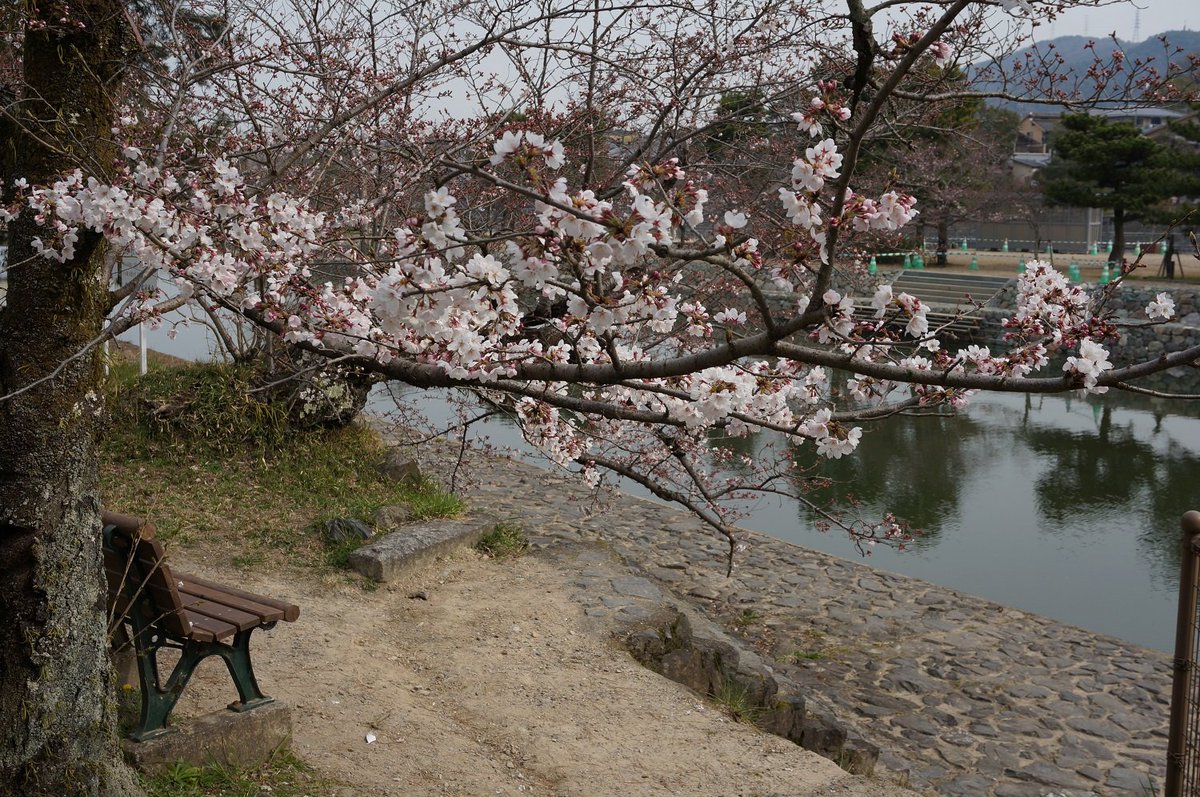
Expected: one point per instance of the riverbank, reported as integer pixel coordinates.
(963, 696)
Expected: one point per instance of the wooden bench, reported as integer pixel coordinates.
(151, 608)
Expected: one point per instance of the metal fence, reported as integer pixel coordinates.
(1183, 745)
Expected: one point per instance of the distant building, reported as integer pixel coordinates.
(1033, 133)
(1025, 165)
(1163, 134)
(1144, 119)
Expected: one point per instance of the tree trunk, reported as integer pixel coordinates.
(57, 714)
(1118, 248)
(943, 239)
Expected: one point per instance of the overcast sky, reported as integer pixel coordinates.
(1156, 16)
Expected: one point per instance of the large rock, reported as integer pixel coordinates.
(390, 518)
(343, 529)
(401, 468)
(690, 650)
(416, 544)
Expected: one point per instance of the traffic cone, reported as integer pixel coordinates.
(974, 263)
(1005, 247)
(872, 267)
(1021, 265)
(1103, 275)
(908, 260)
(964, 244)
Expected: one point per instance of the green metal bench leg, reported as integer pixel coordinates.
(155, 707)
(158, 699)
(237, 659)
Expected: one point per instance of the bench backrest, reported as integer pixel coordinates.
(138, 576)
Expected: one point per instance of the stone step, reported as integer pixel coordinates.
(416, 544)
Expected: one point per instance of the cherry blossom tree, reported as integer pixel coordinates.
(519, 200)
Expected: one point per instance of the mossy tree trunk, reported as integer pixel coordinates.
(57, 718)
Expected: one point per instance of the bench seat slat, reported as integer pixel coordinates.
(208, 629)
(189, 590)
(242, 621)
(290, 611)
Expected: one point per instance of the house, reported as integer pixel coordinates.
(1144, 119)
(1163, 134)
(1024, 166)
(1034, 131)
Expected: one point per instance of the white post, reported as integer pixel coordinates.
(142, 348)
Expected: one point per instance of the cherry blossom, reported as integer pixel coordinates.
(1163, 307)
(560, 256)
(1091, 361)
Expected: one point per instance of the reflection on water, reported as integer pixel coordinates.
(906, 467)
(1055, 504)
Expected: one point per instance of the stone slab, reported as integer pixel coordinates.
(416, 544)
(229, 738)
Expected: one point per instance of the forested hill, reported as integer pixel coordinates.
(1078, 58)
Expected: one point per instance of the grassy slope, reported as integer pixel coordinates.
(221, 474)
(226, 481)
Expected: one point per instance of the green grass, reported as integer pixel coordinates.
(284, 775)
(749, 617)
(221, 469)
(337, 554)
(736, 701)
(815, 648)
(505, 540)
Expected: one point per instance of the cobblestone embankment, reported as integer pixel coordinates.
(962, 696)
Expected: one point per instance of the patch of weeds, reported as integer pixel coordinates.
(247, 560)
(812, 646)
(849, 762)
(129, 709)
(505, 540)
(749, 617)
(426, 501)
(337, 554)
(284, 775)
(736, 700)
(193, 408)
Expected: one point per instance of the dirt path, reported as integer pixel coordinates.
(496, 684)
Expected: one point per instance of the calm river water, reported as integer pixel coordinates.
(1063, 506)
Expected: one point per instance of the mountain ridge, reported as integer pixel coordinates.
(1078, 57)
